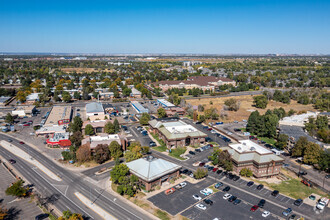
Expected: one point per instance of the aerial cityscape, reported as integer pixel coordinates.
(146, 110)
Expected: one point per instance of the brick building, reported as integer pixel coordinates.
(153, 171)
(261, 161)
(176, 133)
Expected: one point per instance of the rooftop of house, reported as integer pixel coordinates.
(151, 168)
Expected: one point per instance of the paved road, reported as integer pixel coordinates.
(71, 183)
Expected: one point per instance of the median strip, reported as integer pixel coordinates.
(97, 209)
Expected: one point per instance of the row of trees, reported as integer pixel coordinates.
(126, 184)
(319, 127)
(311, 153)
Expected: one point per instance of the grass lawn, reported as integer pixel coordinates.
(160, 148)
(293, 188)
(270, 141)
(177, 152)
(214, 189)
(162, 215)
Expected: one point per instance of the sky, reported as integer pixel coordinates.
(166, 26)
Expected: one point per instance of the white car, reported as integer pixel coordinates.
(201, 206)
(265, 214)
(127, 132)
(197, 197)
(226, 196)
(183, 184)
(213, 131)
(196, 164)
(206, 191)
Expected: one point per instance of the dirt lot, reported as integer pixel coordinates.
(246, 106)
(85, 70)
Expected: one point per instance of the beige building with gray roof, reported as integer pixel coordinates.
(176, 133)
(261, 161)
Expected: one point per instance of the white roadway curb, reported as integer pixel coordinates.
(97, 209)
(22, 154)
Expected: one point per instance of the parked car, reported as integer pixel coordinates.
(302, 173)
(312, 197)
(298, 202)
(232, 198)
(21, 142)
(250, 183)
(208, 201)
(192, 152)
(214, 169)
(287, 212)
(206, 191)
(169, 191)
(262, 203)
(236, 178)
(185, 171)
(237, 201)
(219, 171)
(307, 183)
(12, 161)
(260, 187)
(152, 144)
(218, 185)
(210, 168)
(292, 216)
(322, 203)
(275, 193)
(201, 206)
(198, 150)
(226, 196)
(265, 214)
(41, 216)
(201, 164)
(254, 208)
(197, 197)
(10, 140)
(226, 189)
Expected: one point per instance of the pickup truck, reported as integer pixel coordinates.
(322, 203)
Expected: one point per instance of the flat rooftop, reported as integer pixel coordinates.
(94, 107)
(247, 146)
(58, 113)
(179, 127)
(165, 103)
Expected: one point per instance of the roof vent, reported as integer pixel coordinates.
(149, 158)
(252, 149)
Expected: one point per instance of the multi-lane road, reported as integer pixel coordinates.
(63, 191)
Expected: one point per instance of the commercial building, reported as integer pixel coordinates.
(59, 139)
(176, 133)
(200, 82)
(164, 103)
(261, 161)
(22, 111)
(175, 111)
(59, 115)
(94, 111)
(93, 141)
(98, 125)
(139, 108)
(298, 120)
(153, 171)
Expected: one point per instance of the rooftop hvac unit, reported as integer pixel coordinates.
(252, 149)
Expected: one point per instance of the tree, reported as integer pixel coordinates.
(260, 101)
(89, 130)
(246, 172)
(312, 153)
(116, 125)
(101, 153)
(17, 189)
(200, 173)
(299, 147)
(9, 118)
(68, 215)
(76, 125)
(118, 172)
(83, 153)
(21, 96)
(66, 97)
(127, 92)
(161, 113)
(282, 141)
(291, 112)
(76, 138)
(324, 161)
(76, 95)
(133, 153)
(109, 128)
(232, 104)
(115, 149)
(145, 150)
(144, 119)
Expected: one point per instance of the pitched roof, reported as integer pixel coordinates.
(151, 168)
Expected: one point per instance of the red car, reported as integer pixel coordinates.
(215, 169)
(254, 208)
(27, 124)
(209, 129)
(201, 164)
(211, 145)
(21, 142)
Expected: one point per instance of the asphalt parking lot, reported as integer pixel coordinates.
(181, 199)
(18, 208)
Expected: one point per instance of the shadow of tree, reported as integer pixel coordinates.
(13, 213)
